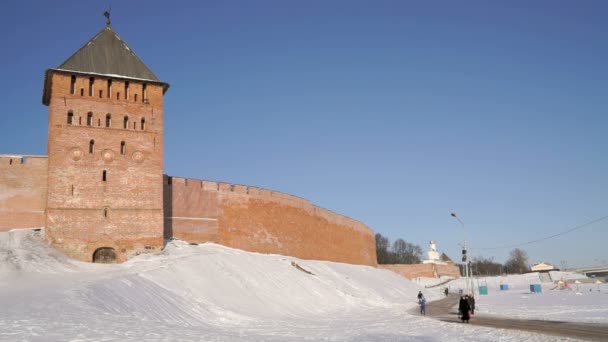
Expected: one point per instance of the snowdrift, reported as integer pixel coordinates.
(211, 293)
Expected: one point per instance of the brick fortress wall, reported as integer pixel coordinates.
(263, 221)
(424, 270)
(22, 191)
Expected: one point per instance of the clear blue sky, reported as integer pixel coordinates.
(395, 113)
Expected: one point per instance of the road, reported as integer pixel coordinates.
(446, 310)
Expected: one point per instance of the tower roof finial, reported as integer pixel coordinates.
(107, 15)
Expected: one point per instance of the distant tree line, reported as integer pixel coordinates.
(400, 252)
(517, 263)
(403, 252)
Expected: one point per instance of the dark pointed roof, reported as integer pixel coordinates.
(107, 54)
(445, 258)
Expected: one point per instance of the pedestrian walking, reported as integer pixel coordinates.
(446, 291)
(420, 295)
(422, 302)
(472, 303)
(464, 309)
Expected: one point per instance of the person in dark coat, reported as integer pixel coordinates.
(446, 291)
(464, 308)
(472, 303)
(419, 295)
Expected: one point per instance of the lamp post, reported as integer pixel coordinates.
(464, 255)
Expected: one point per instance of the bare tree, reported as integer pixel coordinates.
(382, 252)
(518, 261)
(485, 266)
(402, 252)
(406, 253)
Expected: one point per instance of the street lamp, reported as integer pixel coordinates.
(464, 255)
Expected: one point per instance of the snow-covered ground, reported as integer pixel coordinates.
(579, 303)
(213, 293)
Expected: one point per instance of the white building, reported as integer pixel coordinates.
(541, 267)
(433, 255)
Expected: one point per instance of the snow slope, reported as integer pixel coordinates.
(212, 293)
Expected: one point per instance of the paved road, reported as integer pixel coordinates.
(446, 310)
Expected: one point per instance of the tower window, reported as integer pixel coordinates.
(134, 124)
(70, 118)
(23, 160)
(108, 120)
(126, 90)
(81, 91)
(109, 91)
(125, 123)
(91, 85)
(123, 147)
(91, 146)
(73, 85)
(100, 93)
(143, 124)
(104, 175)
(105, 212)
(80, 120)
(118, 95)
(135, 97)
(89, 119)
(144, 94)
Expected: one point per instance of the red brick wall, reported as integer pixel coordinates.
(125, 211)
(22, 191)
(263, 221)
(423, 270)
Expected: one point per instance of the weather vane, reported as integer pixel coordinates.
(107, 15)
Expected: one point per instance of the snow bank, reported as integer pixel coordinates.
(213, 293)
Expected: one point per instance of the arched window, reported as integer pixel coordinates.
(125, 123)
(109, 91)
(105, 212)
(73, 85)
(89, 119)
(70, 118)
(123, 147)
(143, 124)
(91, 86)
(104, 175)
(144, 93)
(91, 146)
(126, 90)
(108, 120)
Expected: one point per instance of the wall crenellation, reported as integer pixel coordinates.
(254, 193)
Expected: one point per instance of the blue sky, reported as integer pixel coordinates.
(394, 113)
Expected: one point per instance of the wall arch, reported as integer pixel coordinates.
(105, 255)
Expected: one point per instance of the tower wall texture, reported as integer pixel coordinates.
(104, 183)
(264, 221)
(22, 191)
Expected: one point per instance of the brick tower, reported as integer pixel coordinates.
(105, 152)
